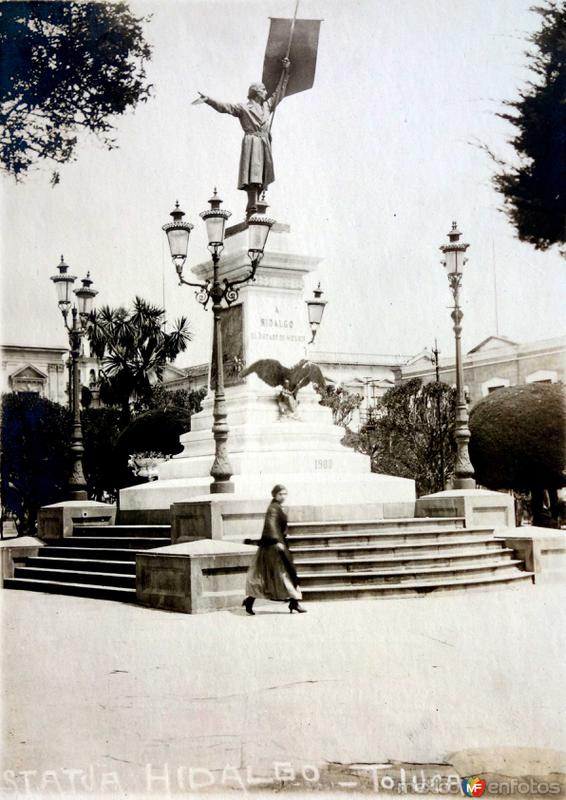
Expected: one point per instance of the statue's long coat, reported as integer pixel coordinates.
(272, 573)
(256, 157)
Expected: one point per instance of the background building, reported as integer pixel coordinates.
(44, 370)
(492, 364)
(495, 363)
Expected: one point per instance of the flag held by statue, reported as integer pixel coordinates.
(296, 39)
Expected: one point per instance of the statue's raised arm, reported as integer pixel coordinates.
(279, 93)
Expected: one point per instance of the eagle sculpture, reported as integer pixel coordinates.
(272, 372)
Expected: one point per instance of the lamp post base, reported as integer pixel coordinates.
(463, 483)
(221, 487)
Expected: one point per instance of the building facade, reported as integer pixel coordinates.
(44, 370)
(495, 363)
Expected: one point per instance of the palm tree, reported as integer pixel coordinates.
(134, 348)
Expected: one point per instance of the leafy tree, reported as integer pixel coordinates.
(411, 434)
(101, 429)
(134, 348)
(158, 431)
(188, 399)
(65, 67)
(535, 191)
(86, 397)
(160, 420)
(35, 456)
(519, 442)
(342, 402)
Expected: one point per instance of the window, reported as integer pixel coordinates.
(542, 376)
(493, 384)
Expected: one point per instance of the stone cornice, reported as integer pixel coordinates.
(237, 263)
(19, 348)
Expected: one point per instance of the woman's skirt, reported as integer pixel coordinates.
(268, 576)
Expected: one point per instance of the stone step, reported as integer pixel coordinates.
(75, 589)
(129, 531)
(323, 565)
(120, 542)
(397, 537)
(391, 524)
(414, 587)
(83, 564)
(355, 550)
(106, 554)
(403, 574)
(73, 576)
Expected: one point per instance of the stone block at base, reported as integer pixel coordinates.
(197, 519)
(542, 549)
(479, 507)
(56, 521)
(304, 489)
(11, 550)
(233, 518)
(193, 577)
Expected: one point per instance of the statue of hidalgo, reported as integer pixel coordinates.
(256, 158)
(289, 40)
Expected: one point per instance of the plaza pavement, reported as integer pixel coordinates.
(136, 700)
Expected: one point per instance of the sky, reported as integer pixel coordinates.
(372, 166)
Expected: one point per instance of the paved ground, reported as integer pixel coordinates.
(142, 700)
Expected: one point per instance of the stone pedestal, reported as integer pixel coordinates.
(15, 549)
(193, 577)
(269, 320)
(56, 520)
(542, 549)
(479, 507)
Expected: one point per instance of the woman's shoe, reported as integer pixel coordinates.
(294, 606)
(248, 605)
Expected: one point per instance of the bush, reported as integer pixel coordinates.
(35, 456)
(188, 399)
(519, 442)
(519, 438)
(342, 402)
(158, 430)
(411, 434)
(101, 429)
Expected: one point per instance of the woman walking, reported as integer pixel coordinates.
(272, 574)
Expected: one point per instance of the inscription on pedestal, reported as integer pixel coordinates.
(276, 330)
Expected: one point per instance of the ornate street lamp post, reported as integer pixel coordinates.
(76, 329)
(178, 233)
(315, 309)
(454, 261)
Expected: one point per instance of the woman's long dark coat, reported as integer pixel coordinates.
(272, 574)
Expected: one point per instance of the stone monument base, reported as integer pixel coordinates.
(304, 489)
(302, 448)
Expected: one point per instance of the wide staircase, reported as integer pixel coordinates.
(96, 561)
(335, 560)
(398, 556)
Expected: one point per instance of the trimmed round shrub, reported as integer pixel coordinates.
(519, 438)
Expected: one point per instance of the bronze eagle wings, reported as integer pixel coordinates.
(272, 372)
